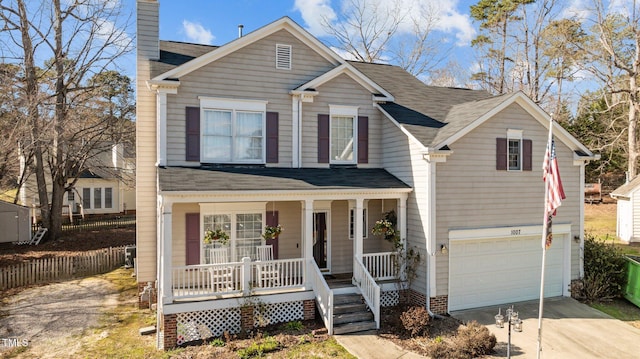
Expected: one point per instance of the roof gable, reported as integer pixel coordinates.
(626, 189)
(284, 23)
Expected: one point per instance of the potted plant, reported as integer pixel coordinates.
(386, 227)
(216, 236)
(271, 232)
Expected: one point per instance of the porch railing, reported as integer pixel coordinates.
(323, 294)
(237, 278)
(369, 289)
(382, 266)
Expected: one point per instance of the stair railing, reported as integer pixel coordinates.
(369, 289)
(323, 294)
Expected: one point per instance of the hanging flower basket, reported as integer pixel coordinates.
(216, 236)
(271, 232)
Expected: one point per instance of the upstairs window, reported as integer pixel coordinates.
(513, 153)
(343, 136)
(233, 131)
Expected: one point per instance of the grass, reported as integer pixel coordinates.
(620, 309)
(600, 221)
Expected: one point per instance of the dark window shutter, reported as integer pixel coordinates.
(527, 155)
(272, 220)
(323, 138)
(363, 139)
(272, 137)
(193, 238)
(192, 129)
(501, 154)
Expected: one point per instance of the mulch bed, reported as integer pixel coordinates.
(69, 244)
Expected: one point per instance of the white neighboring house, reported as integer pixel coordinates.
(628, 210)
(108, 187)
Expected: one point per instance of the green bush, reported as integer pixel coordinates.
(605, 271)
(294, 326)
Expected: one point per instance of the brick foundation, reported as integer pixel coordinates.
(170, 327)
(439, 304)
(413, 298)
(144, 303)
(309, 309)
(246, 318)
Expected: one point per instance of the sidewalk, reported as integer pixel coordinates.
(365, 345)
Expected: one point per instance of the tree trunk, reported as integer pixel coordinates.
(633, 127)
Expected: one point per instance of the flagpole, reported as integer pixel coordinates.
(545, 228)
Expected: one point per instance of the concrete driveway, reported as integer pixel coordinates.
(570, 329)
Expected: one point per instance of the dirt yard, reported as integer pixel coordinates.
(67, 245)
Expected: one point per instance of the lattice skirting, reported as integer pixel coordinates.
(192, 326)
(206, 324)
(265, 314)
(389, 298)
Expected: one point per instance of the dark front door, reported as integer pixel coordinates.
(320, 239)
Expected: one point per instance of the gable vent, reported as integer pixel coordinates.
(283, 57)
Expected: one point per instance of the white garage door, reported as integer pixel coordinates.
(502, 271)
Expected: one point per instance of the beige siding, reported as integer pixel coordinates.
(147, 48)
(341, 245)
(179, 231)
(374, 244)
(471, 193)
(248, 73)
(402, 158)
(345, 91)
(290, 217)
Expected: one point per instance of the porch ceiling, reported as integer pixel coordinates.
(275, 179)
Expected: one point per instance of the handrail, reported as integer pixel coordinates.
(322, 293)
(369, 289)
(382, 266)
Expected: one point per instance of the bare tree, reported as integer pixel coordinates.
(390, 31)
(614, 52)
(70, 42)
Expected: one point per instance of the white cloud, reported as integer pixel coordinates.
(197, 33)
(577, 9)
(446, 17)
(315, 13)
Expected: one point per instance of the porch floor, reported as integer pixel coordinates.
(341, 280)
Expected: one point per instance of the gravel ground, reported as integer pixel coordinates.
(50, 319)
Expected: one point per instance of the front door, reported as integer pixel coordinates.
(320, 239)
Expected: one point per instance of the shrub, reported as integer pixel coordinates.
(604, 271)
(475, 340)
(258, 348)
(217, 342)
(415, 320)
(294, 326)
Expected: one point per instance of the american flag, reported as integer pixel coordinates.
(555, 192)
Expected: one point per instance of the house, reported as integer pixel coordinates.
(15, 221)
(106, 186)
(627, 197)
(275, 128)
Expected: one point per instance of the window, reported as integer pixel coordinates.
(99, 197)
(233, 131)
(86, 198)
(343, 134)
(352, 223)
(243, 240)
(514, 150)
(108, 197)
(70, 196)
(283, 57)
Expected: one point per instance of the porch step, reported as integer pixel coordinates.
(350, 314)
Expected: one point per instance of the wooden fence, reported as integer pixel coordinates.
(95, 223)
(45, 270)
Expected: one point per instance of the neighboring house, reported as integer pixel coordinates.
(275, 128)
(106, 187)
(628, 210)
(15, 221)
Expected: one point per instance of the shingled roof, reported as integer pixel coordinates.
(273, 179)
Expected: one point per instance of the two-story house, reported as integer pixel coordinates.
(275, 128)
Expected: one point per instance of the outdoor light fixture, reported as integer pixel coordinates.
(513, 319)
(444, 249)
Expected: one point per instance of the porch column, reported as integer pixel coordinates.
(402, 219)
(165, 232)
(359, 221)
(307, 238)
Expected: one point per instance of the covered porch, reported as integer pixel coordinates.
(326, 232)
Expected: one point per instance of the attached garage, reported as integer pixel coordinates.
(502, 265)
